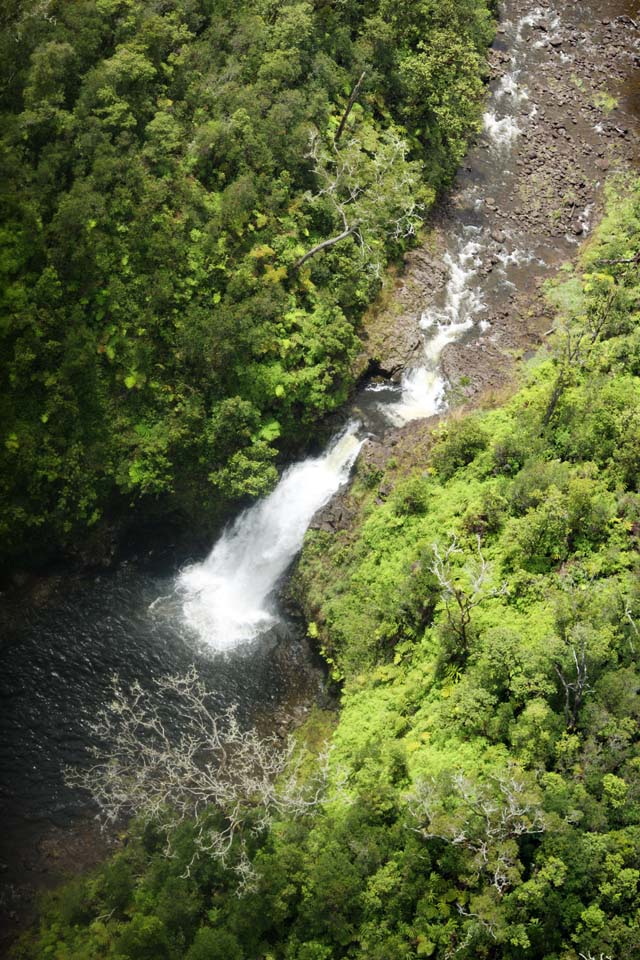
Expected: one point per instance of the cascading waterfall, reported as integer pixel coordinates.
(228, 598)
(423, 388)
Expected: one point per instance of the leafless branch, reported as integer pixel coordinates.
(634, 259)
(487, 820)
(350, 105)
(211, 765)
(371, 190)
(326, 244)
(576, 688)
(462, 594)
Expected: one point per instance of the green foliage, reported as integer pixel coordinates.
(486, 800)
(457, 445)
(214, 945)
(485, 619)
(163, 169)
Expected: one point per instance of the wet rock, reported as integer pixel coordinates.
(393, 339)
(336, 515)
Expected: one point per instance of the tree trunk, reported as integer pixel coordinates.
(349, 108)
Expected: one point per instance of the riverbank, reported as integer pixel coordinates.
(531, 192)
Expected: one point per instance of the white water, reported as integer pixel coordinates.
(423, 388)
(228, 598)
(502, 132)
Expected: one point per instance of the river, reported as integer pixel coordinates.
(155, 613)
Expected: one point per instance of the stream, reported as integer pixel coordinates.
(150, 616)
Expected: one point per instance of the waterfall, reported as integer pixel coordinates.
(228, 598)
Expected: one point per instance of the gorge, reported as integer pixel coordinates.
(561, 116)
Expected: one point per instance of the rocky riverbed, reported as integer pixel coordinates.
(563, 116)
(576, 126)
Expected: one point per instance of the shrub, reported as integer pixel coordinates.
(412, 497)
(212, 944)
(539, 540)
(458, 444)
(532, 483)
(509, 455)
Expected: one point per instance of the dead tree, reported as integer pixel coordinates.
(230, 783)
(486, 819)
(350, 105)
(460, 596)
(575, 688)
(373, 192)
(573, 353)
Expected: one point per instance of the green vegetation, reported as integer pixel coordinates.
(164, 170)
(485, 620)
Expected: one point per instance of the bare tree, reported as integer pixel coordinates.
(229, 782)
(485, 818)
(624, 260)
(628, 616)
(372, 187)
(461, 594)
(569, 357)
(576, 684)
(583, 645)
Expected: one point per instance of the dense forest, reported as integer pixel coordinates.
(483, 618)
(197, 201)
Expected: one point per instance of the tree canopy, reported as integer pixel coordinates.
(164, 169)
(484, 622)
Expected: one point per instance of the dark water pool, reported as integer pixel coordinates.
(59, 646)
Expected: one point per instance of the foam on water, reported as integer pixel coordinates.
(502, 132)
(510, 86)
(423, 387)
(228, 598)
(423, 394)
